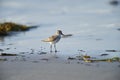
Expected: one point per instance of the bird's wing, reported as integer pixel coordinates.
(50, 39)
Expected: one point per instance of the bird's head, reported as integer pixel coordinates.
(59, 32)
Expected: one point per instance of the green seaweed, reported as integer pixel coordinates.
(7, 27)
(89, 59)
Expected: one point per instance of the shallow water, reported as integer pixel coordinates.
(93, 24)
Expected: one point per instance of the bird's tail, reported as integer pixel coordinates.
(44, 40)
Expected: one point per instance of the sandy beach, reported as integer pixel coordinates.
(53, 67)
(59, 71)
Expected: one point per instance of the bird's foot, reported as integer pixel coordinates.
(55, 51)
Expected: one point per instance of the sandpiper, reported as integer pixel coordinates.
(54, 39)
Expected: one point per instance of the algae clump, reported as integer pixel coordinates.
(7, 27)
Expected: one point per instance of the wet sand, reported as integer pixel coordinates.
(57, 69)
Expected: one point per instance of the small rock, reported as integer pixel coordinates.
(81, 50)
(71, 58)
(7, 48)
(42, 53)
(111, 50)
(104, 54)
(8, 54)
(1, 50)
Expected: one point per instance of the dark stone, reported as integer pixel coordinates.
(114, 2)
(104, 54)
(71, 58)
(111, 50)
(8, 54)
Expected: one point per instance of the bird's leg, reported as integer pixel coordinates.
(51, 48)
(55, 47)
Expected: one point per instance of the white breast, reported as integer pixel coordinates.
(56, 40)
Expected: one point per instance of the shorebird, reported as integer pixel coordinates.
(54, 39)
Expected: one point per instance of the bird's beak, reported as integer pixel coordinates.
(62, 33)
